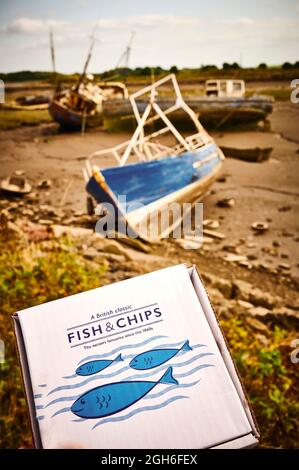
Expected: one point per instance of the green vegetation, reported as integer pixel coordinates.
(13, 119)
(263, 72)
(271, 380)
(30, 275)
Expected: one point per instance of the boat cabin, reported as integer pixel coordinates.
(225, 88)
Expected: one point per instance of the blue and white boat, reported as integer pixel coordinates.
(158, 174)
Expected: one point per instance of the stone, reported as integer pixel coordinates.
(232, 248)
(284, 255)
(284, 266)
(226, 203)
(256, 324)
(111, 246)
(214, 234)
(276, 243)
(188, 244)
(223, 285)
(45, 222)
(210, 223)
(232, 258)
(284, 208)
(44, 184)
(90, 253)
(259, 312)
(245, 305)
(260, 227)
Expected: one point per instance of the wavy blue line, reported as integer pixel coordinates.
(38, 395)
(186, 374)
(63, 410)
(42, 385)
(164, 346)
(160, 369)
(70, 376)
(40, 418)
(59, 400)
(79, 420)
(140, 410)
(168, 389)
(39, 407)
(121, 348)
(86, 381)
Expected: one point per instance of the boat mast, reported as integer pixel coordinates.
(93, 40)
(127, 52)
(53, 56)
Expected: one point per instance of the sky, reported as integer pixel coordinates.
(185, 33)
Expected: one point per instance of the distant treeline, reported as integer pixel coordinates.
(263, 72)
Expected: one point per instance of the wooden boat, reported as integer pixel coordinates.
(159, 174)
(82, 106)
(212, 112)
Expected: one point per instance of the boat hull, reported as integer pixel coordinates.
(72, 120)
(138, 190)
(212, 112)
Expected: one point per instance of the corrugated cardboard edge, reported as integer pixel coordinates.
(25, 374)
(230, 364)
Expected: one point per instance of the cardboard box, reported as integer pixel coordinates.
(137, 364)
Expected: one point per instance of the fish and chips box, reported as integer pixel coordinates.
(141, 363)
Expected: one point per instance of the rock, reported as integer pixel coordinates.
(28, 212)
(44, 184)
(210, 223)
(214, 234)
(276, 243)
(256, 324)
(221, 179)
(223, 285)
(60, 230)
(111, 257)
(19, 172)
(284, 266)
(252, 257)
(232, 258)
(187, 244)
(137, 244)
(260, 227)
(285, 233)
(241, 289)
(245, 291)
(284, 208)
(113, 247)
(258, 311)
(90, 253)
(226, 202)
(245, 264)
(232, 248)
(284, 255)
(45, 222)
(251, 245)
(245, 305)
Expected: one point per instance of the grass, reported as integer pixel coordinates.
(34, 273)
(29, 276)
(13, 119)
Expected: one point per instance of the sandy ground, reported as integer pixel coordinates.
(267, 192)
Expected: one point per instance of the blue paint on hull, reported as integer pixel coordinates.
(147, 182)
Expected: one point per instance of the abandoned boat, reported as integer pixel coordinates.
(82, 106)
(223, 104)
(158, 174)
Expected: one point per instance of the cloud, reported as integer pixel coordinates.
(31, 26)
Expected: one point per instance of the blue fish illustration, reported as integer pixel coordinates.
(93, 367)
(156, 357)
(109, 399)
